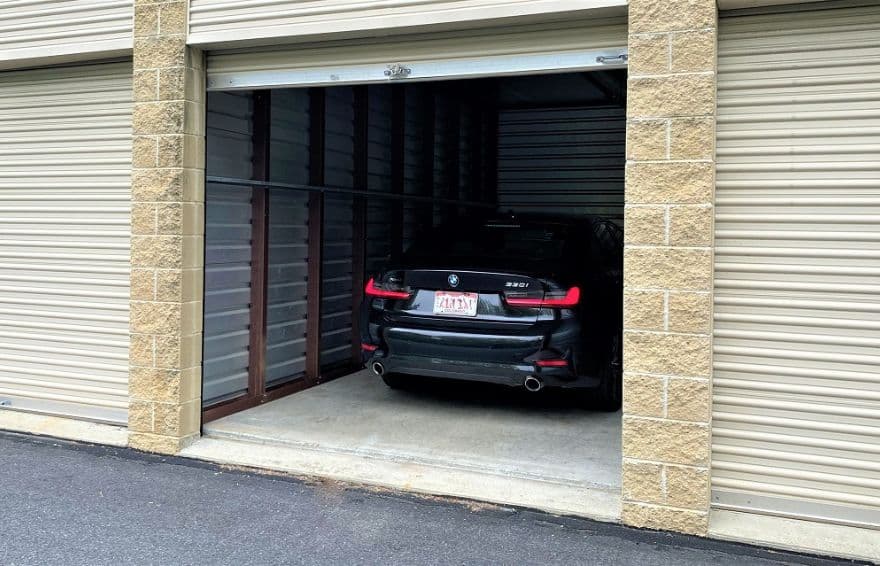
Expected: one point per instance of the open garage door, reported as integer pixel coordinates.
(325, 172)
(796, 413)
(65, 168)
(522, 49)
(313, 186)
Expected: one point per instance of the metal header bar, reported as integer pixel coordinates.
(415, 71)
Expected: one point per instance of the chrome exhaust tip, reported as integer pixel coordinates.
(533, 384)
(378, 368)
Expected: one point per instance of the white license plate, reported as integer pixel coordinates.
(459, 304)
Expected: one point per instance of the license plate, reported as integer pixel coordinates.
(459, 304)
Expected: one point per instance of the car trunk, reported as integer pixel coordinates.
(436, 302)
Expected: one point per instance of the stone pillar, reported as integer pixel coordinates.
(670, 182)
(167, 230)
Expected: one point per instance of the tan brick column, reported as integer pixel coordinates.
(167, 230)
(670, 181)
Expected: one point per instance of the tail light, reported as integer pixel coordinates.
(567, 301)
(374, 291)
(369, 347)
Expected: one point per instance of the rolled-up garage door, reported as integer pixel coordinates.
(520, 49)
(65, 167)
(796, 410)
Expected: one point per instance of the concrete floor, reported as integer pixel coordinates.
(467, 440)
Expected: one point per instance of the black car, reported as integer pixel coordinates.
(520, 301)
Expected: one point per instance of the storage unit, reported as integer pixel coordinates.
(65, 168)
(796, 409)
(368, 160)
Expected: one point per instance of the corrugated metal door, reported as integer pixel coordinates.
(796, 407)
(220, 21)
(34, 29)
(517, 49)
(65, 168)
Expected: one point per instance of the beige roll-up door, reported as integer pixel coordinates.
(796, 408)
(65, 165)
(526, 49)
(42, 30)
(214, 22)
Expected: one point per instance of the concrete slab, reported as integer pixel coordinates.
(793, 534)
(466, 440)
(60, 427)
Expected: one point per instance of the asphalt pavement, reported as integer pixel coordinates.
(66, 503)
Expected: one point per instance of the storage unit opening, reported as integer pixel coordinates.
(316, 194)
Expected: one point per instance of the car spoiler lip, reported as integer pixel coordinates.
(488, 269)
(549, 282)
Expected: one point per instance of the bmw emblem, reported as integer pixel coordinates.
(453, 280)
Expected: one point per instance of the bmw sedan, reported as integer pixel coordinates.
(527, 302)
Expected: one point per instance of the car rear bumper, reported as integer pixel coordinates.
(490, 358)
(513, 375)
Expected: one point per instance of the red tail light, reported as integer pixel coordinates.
(571, 299)
(369, 347)
(551, 363)
(373, 291)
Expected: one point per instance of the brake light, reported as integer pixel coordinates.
(369, 347)
(551, 363)
(571, 299)
(373, 291)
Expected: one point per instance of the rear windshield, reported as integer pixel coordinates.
(490, 243)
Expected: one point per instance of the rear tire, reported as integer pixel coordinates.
(610, 393)
(394, 380)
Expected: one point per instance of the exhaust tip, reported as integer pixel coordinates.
(378, 368)
(533, 384)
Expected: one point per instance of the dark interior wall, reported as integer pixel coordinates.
(228, 237)
(562, 161)
(288, 237)
(401, 158)
(379, 175)
(561, 144)
(337, 254)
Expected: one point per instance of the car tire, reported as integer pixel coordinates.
(394, 380)
(610, 393)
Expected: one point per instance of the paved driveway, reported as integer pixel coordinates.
(70, 504)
